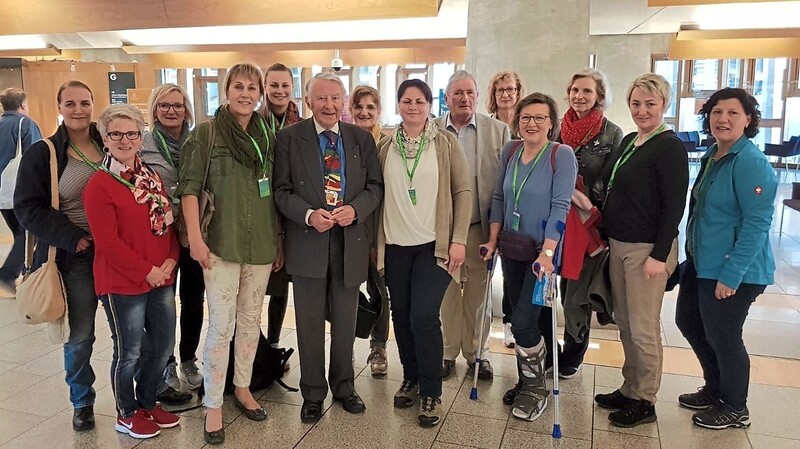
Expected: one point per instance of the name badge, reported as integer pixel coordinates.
(412, 193)
(332, 197)
(263, 187)
(515, 221)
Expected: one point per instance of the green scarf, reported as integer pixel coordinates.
(238, 142)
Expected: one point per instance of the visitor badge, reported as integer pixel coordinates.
(515, 221)
(263, 187)
(331, 197)
(412, 193)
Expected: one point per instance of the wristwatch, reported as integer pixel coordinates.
(549, 253)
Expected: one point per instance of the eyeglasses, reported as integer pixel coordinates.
(538, 119)
(165, 107)
(505, 90)
(117, 136)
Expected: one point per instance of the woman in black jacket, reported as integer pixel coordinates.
(79, 148)
(596, 141)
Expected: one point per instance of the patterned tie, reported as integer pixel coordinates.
(333, 170)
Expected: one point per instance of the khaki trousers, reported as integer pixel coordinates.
(637, 312)
(463, 304)
(235, 298)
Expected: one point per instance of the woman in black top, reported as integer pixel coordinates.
(596, 142)
(644, 205)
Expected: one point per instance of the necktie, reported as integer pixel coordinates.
(333, 171)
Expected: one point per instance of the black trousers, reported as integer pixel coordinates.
(192, 291)
(713, 327)
(12, 267)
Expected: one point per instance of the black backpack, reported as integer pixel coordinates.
(268, 366)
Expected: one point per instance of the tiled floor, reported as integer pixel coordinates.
(35, 411)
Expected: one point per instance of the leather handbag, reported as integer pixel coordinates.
(518, 247)
(205, 201)
(41, 297)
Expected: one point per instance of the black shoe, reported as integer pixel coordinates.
(638, 412)
(83, 418)
(511, 395)
(448, 368)
(311, 411)
(171, 396)
(722, 416)
(485, 371)
(352, 403)
(568, 372)
(613, 401)
(258, 414)
(703, 399)
(215, 436)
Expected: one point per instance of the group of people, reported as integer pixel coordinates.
(259, 196)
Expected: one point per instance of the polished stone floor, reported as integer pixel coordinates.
(35, 411)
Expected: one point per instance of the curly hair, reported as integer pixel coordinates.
(748, 102)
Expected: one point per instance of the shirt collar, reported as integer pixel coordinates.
(449, 123)
(321, 128)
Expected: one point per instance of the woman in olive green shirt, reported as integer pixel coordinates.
(240, 246)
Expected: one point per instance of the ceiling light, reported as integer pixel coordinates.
(18, 42)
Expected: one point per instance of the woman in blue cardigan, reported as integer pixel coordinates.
(729, 259)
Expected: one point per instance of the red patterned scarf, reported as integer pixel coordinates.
(575, 131)
(146, 187)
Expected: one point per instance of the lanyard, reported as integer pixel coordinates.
(272, 121)
(165, 148)
(257, 148)
(628, 152)
(402, 147)
(518, 190)
(94, 166)
(127, 183)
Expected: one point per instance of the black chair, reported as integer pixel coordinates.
(784, 151)
(791, 203)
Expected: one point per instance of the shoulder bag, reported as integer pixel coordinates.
(8, 180)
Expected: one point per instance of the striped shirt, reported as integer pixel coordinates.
(70, 191)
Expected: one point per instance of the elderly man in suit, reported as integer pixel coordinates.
(327, 185)
(482, 139)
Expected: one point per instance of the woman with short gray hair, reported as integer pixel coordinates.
(130, 216)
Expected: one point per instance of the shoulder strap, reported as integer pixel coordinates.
(212, 134)
(553, 157)
(54, 202)
(19, 137)
(514, 151)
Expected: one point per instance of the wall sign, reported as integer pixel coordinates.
(118, 85)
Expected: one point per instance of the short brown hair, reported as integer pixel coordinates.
(600, 86)
(538, 98)
(363, 91)
(73, 83)
(159, 92)
(248, 70)
(12, 99)
(491, 101)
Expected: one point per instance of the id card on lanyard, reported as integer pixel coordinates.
(517, 191)
(264, 188)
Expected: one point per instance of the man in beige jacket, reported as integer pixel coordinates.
(482, 138)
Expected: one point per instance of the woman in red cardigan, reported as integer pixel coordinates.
(129, 214)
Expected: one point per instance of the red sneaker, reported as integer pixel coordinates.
(162, 418)
(138, 425)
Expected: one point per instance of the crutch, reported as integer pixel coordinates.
(487, 299)
(545, 293)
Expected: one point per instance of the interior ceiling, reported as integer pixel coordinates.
(154, 23)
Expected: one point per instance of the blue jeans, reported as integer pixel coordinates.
(143, 331)
(82, 303)
(417, 287)
(713, 327)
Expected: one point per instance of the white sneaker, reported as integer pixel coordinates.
(194, 379)
(508, 337)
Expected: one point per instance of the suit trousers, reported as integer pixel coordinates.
(235, 298)
(461, 309)
(314, 297)
(637, 312)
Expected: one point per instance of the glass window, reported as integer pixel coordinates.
(169, 76)
(209, 72)
(212, 97)
(705, 75)
(792, 123)
(768, 86)
(768, 135)
(297, 80)
(734, 73)
(368, 75)
(671, 71)
(441, 74)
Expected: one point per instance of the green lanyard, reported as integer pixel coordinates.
(628, 152)
(257, 148)
(165, 149)
(94, 166)
(401, 146)
(518, 190)
(272, 121)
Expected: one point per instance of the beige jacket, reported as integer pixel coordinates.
(453, 198)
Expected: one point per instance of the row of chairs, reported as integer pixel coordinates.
(695, 146)
(784, 151)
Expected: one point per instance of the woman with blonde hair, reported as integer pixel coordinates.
(646, 196)
(505, 91)
(239, 246)
(170, 120)
(130, 216)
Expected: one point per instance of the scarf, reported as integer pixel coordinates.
(238, 142)
(412, 145)
(146, 187)
(173, 145)
(576, 132)
(292, 116)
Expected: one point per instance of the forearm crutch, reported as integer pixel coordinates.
(487, 299)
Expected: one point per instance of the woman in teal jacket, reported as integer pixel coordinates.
(729, 258)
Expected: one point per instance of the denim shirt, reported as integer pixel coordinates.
(10, 132)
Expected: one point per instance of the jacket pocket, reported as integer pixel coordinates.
(221, 165)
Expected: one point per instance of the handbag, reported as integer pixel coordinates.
(519, 247)
(205, 201)
(8, 180)
(41, 297)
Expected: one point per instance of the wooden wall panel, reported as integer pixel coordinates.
(43, 78)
